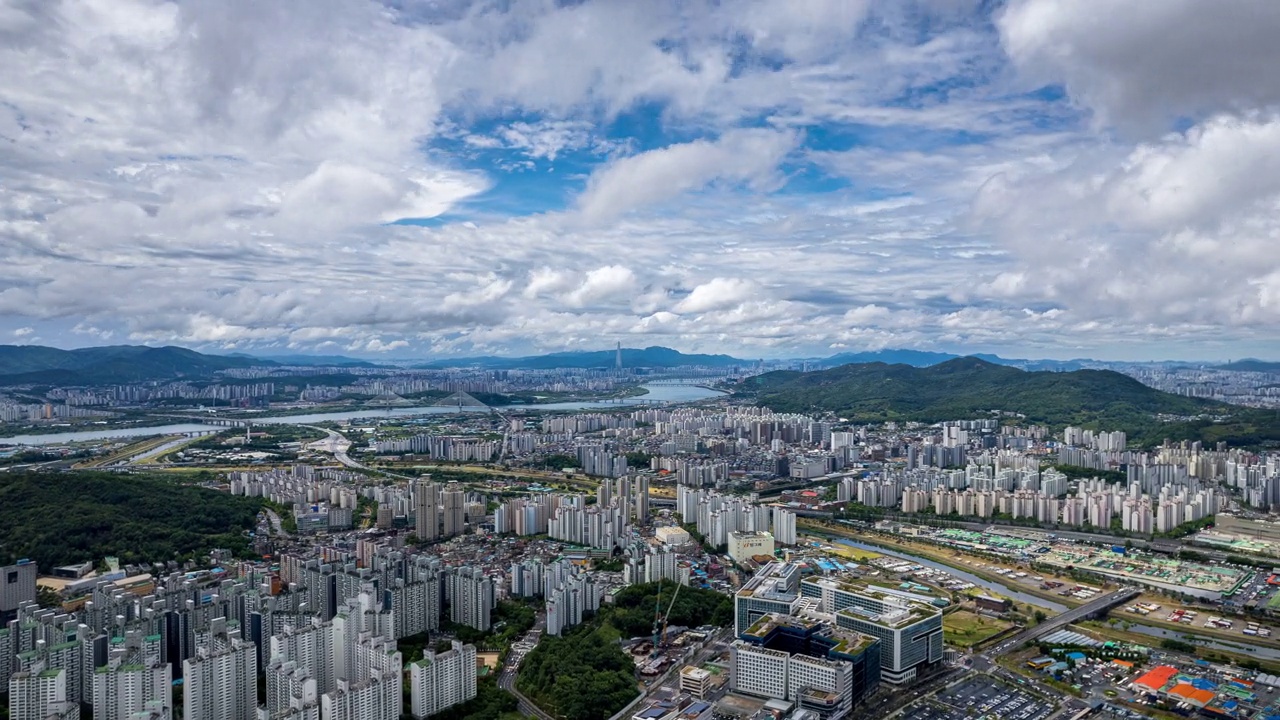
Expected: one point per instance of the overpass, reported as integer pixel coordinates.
(1098, 606)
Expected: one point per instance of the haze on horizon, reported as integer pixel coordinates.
(766, 178)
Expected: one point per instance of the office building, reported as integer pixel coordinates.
(806, 659)
(17, 585)
(695, 681)
(908, 626)
(775, 588)
(744, 545)
(441, 680)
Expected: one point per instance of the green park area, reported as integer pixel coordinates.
(966, 629)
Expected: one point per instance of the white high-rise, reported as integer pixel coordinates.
(41, 694)
(134, 680)
(784, 526)
(441, 680)
(221, 680)
(470, 597)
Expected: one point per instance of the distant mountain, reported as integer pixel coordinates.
(34, 364)
(969, 387)
(312, 360)
(925, 358)
(1251, 365)
(631, 357)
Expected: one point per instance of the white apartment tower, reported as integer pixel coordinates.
(221, 680)
(41, 694)
(441, 680)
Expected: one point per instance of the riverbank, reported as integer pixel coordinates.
(1157, 619)
(953, 559)
(1211, 654)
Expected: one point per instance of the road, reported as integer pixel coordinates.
(1099, 604)
(338, 444)
(507, 675)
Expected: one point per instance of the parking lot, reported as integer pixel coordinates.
(980, 697)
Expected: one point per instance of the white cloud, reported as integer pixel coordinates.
(1143, 64)
(750, 157)
(610, 282)
(716, 294)
(23, 332)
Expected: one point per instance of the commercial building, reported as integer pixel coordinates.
(909, 626)
(743, 545)
(695, 681)
(805, 659)
(672, 535)
(441, 680)
(775, 588)
(17, 585)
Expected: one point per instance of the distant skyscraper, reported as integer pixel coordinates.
(617, 361)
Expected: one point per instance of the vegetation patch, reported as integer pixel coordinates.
(62, 518)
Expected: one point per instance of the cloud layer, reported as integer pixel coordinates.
(1050, 178)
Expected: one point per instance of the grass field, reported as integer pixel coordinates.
(966, 629)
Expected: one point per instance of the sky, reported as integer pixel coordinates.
(765, 178)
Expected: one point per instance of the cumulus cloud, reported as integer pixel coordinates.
(716, 294)
(749, 157)
(1143, 64)
(611, 282)
(765, 176)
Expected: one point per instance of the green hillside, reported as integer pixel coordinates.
(971, 388)
(60, 518)
(36, 365)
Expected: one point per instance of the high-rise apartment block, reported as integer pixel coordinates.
(441, 680)
(221, 680)
(135, 680)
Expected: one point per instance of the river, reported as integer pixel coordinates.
(996, 587)
(1242, 648)
(659, 393)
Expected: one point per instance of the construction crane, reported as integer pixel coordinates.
(663, 636)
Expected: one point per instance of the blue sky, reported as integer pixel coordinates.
(766, 178)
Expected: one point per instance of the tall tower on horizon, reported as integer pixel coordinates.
(617, 361)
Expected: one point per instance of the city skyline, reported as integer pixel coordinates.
(442, 179)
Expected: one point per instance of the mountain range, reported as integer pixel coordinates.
(38, 365)
(34, 364)
(970, 387)
(631, 357)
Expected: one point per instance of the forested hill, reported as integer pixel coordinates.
(970, 388)
(61, 518)
(34, 364)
